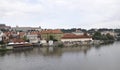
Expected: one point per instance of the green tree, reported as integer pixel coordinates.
(97, 36)
(110, 37)
(104, 37)
(2, 42)
(25, 39)
(51, 37)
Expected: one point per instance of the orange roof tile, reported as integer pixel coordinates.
(73, 36)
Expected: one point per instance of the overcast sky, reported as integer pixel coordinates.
(61, 13)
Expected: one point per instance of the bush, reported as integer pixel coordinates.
(60, 45)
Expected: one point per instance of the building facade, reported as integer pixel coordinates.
(52, 34)
(69, 37)
(32, 38)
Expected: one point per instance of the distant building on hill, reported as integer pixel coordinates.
(25, 29)
(109, 32)
(4, 27)
(78, 32)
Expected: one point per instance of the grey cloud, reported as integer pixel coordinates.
(62, 13)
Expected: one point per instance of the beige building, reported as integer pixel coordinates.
(51, 34)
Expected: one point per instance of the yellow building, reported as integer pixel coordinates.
(52, 34)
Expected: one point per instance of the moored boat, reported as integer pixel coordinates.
(18, 45)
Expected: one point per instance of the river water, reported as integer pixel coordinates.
(105, 57)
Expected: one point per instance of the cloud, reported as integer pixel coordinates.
(16, 7)
(61, 13)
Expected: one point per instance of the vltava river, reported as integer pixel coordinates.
(106, 57)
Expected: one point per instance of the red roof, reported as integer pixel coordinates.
(73, 36)
(9, 33)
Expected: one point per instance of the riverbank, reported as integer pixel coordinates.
(84, 43)
(57, 44)
(4, 49)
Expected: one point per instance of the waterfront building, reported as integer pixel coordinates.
(70, 37)
(43, 42)
(49, 34)
(33, 38)
(1, 35)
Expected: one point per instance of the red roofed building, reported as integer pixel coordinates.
(69, 37)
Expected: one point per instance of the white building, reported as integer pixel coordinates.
(33, 38)
(77, 39)
(74, 38)
(1, 35)
(109, 32)
(50, 42)
(78, 32)
(37, 28)
(43, 42)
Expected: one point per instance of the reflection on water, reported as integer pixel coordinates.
(100, 46)
(105, 57)
(47, 51)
